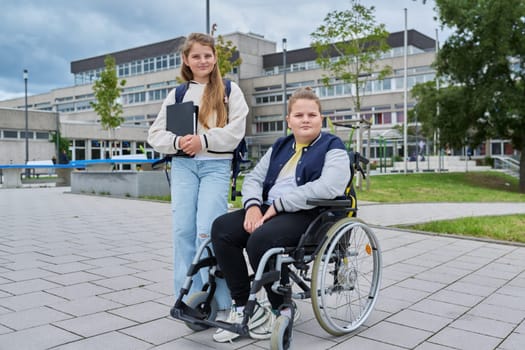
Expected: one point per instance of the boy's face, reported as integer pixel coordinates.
(305, 120)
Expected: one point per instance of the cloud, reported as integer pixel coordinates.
(46, 36)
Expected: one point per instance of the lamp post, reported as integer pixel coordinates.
(284, 86)
(26, 75)
(207, 16)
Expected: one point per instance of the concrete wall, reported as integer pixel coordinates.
(120, 183)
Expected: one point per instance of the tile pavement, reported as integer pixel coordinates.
(86, 272)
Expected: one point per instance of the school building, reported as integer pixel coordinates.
(151, 71)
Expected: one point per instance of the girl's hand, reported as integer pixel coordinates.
(190, 144)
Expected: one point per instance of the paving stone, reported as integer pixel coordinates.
(439, 308)
(78, 291)
(186, 344)
(73, 278)
(396, 334)
(32, 317)
(457, 298)
(420, 320)
(29, 301)
(500, 313)
(86, 306)
(464, 340)
(515, 341)
(36, 338)
(364, 344)
(158, 331)
(94, 324)
(483, 325)
(132, 296)
(142, 312)
(112, 340)
(27, 286)
(422, 285)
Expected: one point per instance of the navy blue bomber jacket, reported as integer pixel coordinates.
(323, 171)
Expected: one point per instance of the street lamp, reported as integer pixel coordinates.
(26, 126)
(284, 86)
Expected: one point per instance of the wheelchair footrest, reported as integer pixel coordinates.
(189, 315)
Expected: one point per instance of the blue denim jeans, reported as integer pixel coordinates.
(199, 194)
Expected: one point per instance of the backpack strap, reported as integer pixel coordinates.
(227, 86)
(180, 91)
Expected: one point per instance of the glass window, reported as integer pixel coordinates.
(29, 134)
(9, 134)
(42, 136)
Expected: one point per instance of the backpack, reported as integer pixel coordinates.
(240, 152)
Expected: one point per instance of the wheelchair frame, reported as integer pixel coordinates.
(339, 246)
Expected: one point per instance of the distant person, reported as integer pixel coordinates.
(63, 158)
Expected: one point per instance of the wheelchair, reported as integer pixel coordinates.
(337, 264)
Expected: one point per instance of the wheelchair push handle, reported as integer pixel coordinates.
(357, 160)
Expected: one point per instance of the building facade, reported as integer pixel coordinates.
(151, 71)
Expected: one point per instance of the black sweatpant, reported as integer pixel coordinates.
(229, 240)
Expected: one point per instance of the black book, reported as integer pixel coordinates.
(181, 119)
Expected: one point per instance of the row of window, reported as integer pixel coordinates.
(21, 134)
(343, 89)
(146, 65)
(309, 65)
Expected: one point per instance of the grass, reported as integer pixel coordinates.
(505, 228)
(455, 187)
(445, 187)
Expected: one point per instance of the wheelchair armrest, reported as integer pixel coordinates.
(339, 203)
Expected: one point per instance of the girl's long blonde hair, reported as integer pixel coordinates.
(213, 98)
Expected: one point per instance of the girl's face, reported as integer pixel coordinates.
(305, 120)
(201, 61)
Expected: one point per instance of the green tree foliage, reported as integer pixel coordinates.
(354, 37)
(107, 91)
(225, 53)
(485, 58)
(63, 143)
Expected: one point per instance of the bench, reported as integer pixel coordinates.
(41, 170)
(12, 178)
(12, 172)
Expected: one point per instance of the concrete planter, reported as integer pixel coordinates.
(120, 183)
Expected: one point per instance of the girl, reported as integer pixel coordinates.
(200, 183)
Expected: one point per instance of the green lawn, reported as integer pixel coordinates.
(444, 187)
(454, 187)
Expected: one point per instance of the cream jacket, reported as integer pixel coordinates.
(216, 142)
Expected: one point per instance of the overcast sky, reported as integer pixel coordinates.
(45, 36)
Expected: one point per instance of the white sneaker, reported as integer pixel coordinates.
(260, 315)
(265, 330)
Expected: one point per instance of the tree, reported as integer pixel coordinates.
(107, 92)
(348, 45)
(485, 58)
(225, 52)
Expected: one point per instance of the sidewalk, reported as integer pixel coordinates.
(90, 272)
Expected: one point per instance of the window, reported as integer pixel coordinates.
(42, 136)
(9, 134)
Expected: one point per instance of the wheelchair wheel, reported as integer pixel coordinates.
(281, 334)
(198, 302)
(346, 275)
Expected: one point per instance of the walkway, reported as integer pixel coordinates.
(86, 272)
